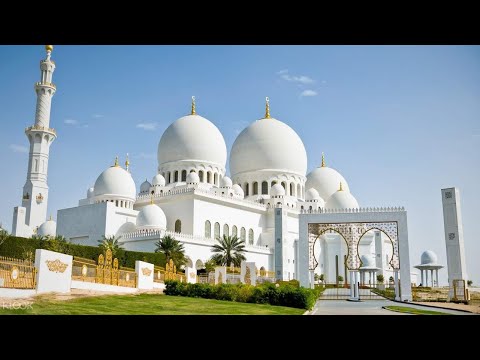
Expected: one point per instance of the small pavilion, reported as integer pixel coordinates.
(428, 262)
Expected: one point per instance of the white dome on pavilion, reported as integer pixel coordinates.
(325, 180)
(342, 199)
(158, 180)
(48, 228)
(151, 217)
(428, 257)
(115, 181)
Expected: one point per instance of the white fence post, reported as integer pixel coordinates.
(144, 273)
(220, 275)
(54, 271)
(191, 274)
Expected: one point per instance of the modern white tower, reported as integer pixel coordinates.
(33, 212)
(452, 219)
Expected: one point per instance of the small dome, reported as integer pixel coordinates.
(145, 187)
(193, 178)
(115, 181)
(151, 217)
(342, 199)
(158, 180)
(312, 194)
(268, 144)
(192, 137)
(48, 228)
(226, 182)
(90, 192)
(325, 180)
(277, 190)
(367, 261)
(428, 257)
(237, 189)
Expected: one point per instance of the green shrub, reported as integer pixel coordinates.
(20, 248)
(268, 293)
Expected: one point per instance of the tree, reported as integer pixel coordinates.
(172, 249)
(229, 250)
(57, 244)
(209, 266)
(469, 282)
(3, 234)
(380, 278)
(322, 277)
(391, 279)
(110, 242)
(340, 278)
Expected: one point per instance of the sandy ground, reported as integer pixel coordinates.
(471, 308)
(74, 294)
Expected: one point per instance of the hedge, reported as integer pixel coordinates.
(267, 293)
(21, 248)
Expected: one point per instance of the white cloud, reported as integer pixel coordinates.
(19, 148)
(147, 126)
(70, 122)
(302, 79)
(308, 93)
(98, 116)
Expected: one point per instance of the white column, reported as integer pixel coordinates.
(357, 280)
(426, 277)
(312, 279)
(421, 274)
(352, 285)
(431, 274)
(436, 276)
(397, 288)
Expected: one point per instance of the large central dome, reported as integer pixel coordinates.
(268, 144)
(192, 137)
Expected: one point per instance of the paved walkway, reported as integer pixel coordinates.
(367, 307)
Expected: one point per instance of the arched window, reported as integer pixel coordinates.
(301, 207)
(208, 229)
(299, 192)
(273, 183)
(234, 231)
(168, 177)
(215, 179)
(175, 177)
(246, 189)
(216, 230)
(200, 175)
(310, 208)
(250, 236)
(178, 226)
(292, 187)
(264, 188)
(243, 234)
(184, 175)
(226, 230)
(284, 184)
(153, 192)
(209, 177)
(255, 188)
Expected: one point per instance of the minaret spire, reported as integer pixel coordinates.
(323, 160)
(33, 211)
(341, 187)
(194, 112)
(127, 163)
(267, 108)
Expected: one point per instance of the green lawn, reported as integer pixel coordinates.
(151, 304)
(409, 310)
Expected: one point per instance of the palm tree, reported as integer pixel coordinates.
(172, 249)
(3, 234)
(229, 249)
(110, 242)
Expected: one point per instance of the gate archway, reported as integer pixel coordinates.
(353, 225)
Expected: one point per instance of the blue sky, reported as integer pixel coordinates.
(398, 122)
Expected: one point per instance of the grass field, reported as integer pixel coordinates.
(409, 310)
(151, 304)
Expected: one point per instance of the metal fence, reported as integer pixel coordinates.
(336, 291)
(17, 274)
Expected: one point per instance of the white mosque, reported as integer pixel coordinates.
(192, 198)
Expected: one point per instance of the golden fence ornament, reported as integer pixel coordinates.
(146, 271)
(17, 273)
(248, 276)
(56, 265)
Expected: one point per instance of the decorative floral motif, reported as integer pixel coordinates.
(352, 233)
(56, 266)
(146, 271)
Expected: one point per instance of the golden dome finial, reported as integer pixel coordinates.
(50, 217)
(116, 161)
(127, 163)
(49, 48)
(267, 108)
(193, 106)
(341, 187)
(323, 159)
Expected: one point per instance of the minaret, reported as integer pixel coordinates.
(40, 136)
